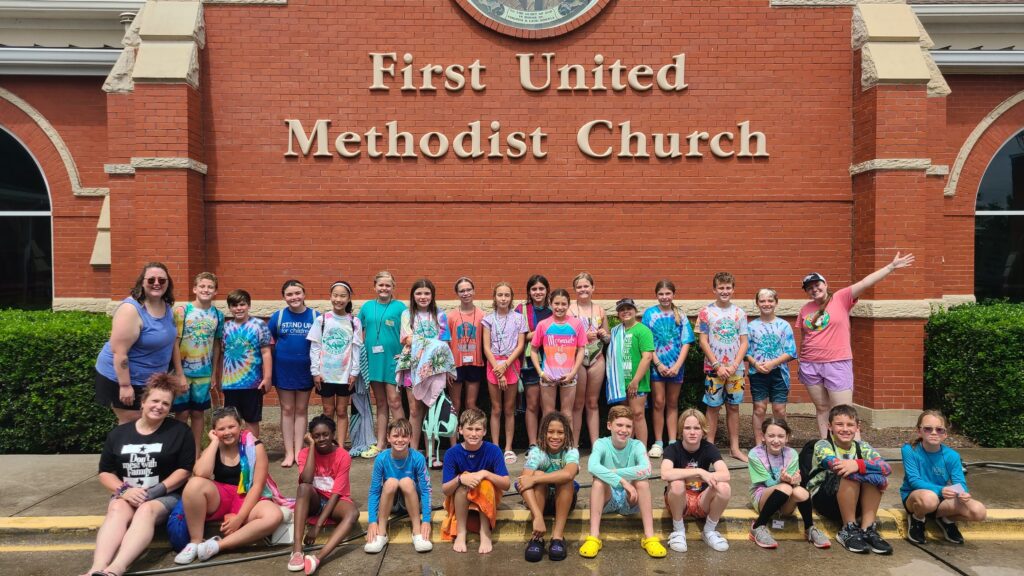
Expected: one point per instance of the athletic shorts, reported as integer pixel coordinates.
(469, 374)
(619, 503)
(107, 394)
(835, 376)
(549, 499)
(693, 508)
(827, 505)
(718, 391)
(657, 377)
(196, 398)
(771, 386)
(230, 501)
(329, 390)
(249, 403)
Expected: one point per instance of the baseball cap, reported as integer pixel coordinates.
(811, 278)
(625, 302)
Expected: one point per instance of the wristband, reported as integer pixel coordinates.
(124, 487)
(154, 492)
(716, 365)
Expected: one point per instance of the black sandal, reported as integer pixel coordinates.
(535, 550)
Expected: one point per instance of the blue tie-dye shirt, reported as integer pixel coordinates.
(769, 340)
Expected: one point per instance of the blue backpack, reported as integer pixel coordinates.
(177, 528)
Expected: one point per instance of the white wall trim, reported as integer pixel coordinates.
(972, 140)
(167, 163)
(890, 164)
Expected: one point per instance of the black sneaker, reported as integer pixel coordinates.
(915, 530)
(535, 550)
(951, 532)
(852, 538)
(874, 540)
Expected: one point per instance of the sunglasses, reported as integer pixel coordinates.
(933, 430)
(156, 281)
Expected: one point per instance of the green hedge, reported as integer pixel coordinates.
(46, 382)
(974, 370)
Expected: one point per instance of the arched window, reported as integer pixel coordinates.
(26, 245)
(999, 225)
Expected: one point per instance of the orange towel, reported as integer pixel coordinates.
(483, 499)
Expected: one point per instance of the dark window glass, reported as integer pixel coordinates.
(26, 252)
(999, 238)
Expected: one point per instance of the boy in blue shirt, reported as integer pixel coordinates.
(400, 480)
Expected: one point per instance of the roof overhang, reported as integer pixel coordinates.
(975, 38)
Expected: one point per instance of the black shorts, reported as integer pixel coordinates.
(529, 375)
(549, 500)
(827, 505)
(469, 374)
(108, 394)
(328, 390)
(249, 403)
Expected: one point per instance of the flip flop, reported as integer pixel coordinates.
(510, 457)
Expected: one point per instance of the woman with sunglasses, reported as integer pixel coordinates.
(934, 483)
(141, 343)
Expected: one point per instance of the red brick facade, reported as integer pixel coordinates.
(257, 217)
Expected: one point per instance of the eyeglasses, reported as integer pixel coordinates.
(933, 430)
(156, 281)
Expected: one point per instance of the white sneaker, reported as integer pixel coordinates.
(656, 451)
(209, 548)
(376, 545)
(421, 544)
(677, 541)
(188, 554)
(715, 540)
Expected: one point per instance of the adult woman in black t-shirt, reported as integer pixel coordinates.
(144, 464)
(231, 483)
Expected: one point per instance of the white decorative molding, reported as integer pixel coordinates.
(36, 61)
(937, 170)
(62, 149)
(972, 140)
(167, 163)
(118, 169)
(890, 164)
(101, 247)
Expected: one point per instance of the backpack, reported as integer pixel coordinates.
(439, 421)
(831, 483)
(177, 527)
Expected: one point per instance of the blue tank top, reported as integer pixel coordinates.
(150, 354)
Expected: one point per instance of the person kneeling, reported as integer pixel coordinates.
(620, 469)
(230, 482)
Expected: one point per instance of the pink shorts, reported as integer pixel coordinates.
(511, 373)
(230, 501)
(835, 376)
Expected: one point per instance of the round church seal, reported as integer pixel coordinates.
(532, 18)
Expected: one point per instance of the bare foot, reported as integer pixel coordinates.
(287, 462)
(738, 455)
(539, 528)
(460, 544)
(485, 543)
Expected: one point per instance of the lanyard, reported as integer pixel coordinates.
(380, 319)
(768, 462)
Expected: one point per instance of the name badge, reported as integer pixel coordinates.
(389, 322)
(778, 524)
(377, 349)
(467, 359)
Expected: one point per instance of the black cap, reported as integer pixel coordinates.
(812, 278)
(625, 302)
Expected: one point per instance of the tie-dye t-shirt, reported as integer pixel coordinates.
(243, 360)
(199, 331)
(335, 353)
(769, 340)
(723, 326)
(559, 343)
(669, 336)
(540, 460)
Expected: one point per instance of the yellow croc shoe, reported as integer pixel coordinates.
(591, 546)
(652, 545)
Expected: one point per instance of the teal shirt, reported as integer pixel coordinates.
(382, 325)
(612, 466)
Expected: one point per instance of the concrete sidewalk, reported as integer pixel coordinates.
(60, 494)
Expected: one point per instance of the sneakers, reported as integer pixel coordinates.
(188, 554)
(376, 545)
(874, 540)
(677, 541)
(950, 531)
(421, 544)
(852, 538)
(715, 540)
(535, 550)
(557, 551)
(208, 549)
(656, 451)
(295, 562)
(309, 564)
(762, 537)
(915, 530)
(817, 537)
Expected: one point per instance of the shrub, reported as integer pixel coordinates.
(46, 382)
(974, 370)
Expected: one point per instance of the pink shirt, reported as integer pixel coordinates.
(331, 473)
(828, 340)
(559, 342)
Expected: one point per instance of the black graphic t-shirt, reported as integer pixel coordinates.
(146, 460)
